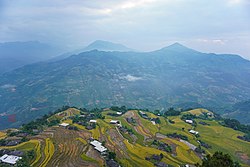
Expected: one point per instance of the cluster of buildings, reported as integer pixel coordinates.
(191, 131)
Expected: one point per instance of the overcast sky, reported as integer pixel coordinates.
(220, 26)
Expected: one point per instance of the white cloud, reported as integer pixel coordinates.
(235, 2)
(140, 24)
(131, 78)
(213, 41)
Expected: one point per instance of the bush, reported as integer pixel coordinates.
(218, 159)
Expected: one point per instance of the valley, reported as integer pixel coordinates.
(174, 76)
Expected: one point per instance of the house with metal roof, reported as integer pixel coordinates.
(9, 159)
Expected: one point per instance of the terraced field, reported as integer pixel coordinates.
(60, 147)
(65, 148)
(2, 135)
(48, 152)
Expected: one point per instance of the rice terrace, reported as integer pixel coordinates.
(136, 138)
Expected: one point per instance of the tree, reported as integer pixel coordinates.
(111, 155)
(218, 159)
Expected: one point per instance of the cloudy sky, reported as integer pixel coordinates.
(221, 26)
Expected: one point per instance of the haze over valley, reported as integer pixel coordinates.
(154, 83)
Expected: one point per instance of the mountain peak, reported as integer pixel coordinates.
(177, 44)
(107, 46)
(178, 48)
(98, 42)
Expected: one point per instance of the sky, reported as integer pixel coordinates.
(218, 26)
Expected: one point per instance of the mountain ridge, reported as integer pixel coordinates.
(135, 79)
(17, 54)
(103, 45)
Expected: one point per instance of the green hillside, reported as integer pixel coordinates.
(173, 76)
(144, 139)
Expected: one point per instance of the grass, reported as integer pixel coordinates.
(88, 159)
(38, 154)
(82, 140)
(219, 137)
(69, 121)
(148, 124)
(138, 153)
(223, 139)
(126, 162)
(26, 146)
(80, 126)
(166, 128)
(184, 154)
(199, 112)
(72, 112)
(95, 132)
(48, 151)
(103, 125)
(2, 135)
(140, 138)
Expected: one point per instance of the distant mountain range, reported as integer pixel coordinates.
(100, 45)
(172, 76)
(17, 54)
(107, 46)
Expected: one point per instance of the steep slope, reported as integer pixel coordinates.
(240, 111)
(139, 141)
(18, 54)
(160, 79)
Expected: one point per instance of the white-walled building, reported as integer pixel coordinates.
(194, 132)
(119, 113)
(98, 146)
(114, 122)
(92, 121)
(10, 159)
(189, 121)
(64, 125)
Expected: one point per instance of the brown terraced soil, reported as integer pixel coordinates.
(68, 149)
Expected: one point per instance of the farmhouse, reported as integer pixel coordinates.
(10, 159)
(114, 122)
(98, 146)
(119, 113)
(65, 125)
(92, 121)
(143, 114)
(194, 132)
(82, 116)
(189, 121)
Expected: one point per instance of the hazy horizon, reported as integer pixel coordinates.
(145, 25)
